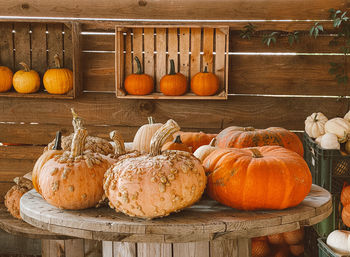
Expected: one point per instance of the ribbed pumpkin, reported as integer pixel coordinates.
(144, 134)
(176, 145)
(6, 76)
(26, 81)
(59, 80)
(139, 83)
(205, 83)
(345, 195)
(173, 84)
(195, 139)
(267, 177)
(242, 137)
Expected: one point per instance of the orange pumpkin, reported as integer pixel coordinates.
(205, 83)
(173, 84)
(267, 177)
(242, 137)
(260, 248)
(26, 81)
(345, 215)
(276, 239)
(195, 139)
(139, 83)
(58, 81)
(5, 79)
(294, 237)
(345, 195)
(176, 145)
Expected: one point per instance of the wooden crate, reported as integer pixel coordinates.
(191, 47)
(36, 43)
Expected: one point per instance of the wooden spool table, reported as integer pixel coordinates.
(205, 229)
(52, 244)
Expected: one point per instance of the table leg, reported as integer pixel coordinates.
(218, 248)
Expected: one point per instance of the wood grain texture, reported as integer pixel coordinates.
(100, 42)
(124, 249)
(11, 168)
(154, 250)
(173, 48)
(223, 248)
(54, 43)
(149, 62)
(161, 58)
(107, 248)
(39, 54)
(221, 58)
(208, 48)
(207, 217)
(22, 44)
(20, 152)
(195, 249)
(4, 187)
(137, 44)
(196, 36)
(184, 47)
(182, 9)
(92, 248)
(73, 57)
(68, 46)
(6, 45)
(74, 248)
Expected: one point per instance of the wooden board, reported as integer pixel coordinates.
(207, 217)
(181, 9)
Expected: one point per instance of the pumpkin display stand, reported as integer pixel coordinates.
(204, 229)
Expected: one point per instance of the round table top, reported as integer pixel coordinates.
(20, 228)
(206, 220)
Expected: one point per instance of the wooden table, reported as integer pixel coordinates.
(203, 230)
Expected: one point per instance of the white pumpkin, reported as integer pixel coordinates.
(330, 141)
(347, 116)
(314, 124)
(339, 127)
(339, 241)
(318, 140)
(203, 151)
(143, 136)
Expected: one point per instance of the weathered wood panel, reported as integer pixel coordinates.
(181, 9)
(11, 168)
(21, 152)
(39, 53)
(22, 44)
(6, 45)
(4, 187)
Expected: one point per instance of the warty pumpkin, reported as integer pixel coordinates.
(314, 124)
(267, 177)
(194, 140)
(241, 137)
(58, 81)
(74, 179)
(205, 83)
(173, 84)
(156, 184)
(26, 81)
(6, 76)
(139, 83)
(176, 145)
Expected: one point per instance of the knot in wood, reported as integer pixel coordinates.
(25, 6)
(142, 3)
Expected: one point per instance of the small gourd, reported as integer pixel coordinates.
(314, 124)
(139, 83)
(176, 145)
(340, 127)
(26, 81)
(318, 140)
(144, 134)
(339, 241)
(58, 81)
(330, 141)
(203, 151)
(205, 83)
(6, 76)
(173, 84)
(347, 116)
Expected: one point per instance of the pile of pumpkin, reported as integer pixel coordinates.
(56, 81)
(329, 134)
(173, 84)
(155, 177)
(279, 245)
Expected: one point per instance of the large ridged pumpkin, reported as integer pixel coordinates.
(267, 177)
(242, 137)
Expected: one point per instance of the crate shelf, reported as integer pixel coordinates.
(191, 47)
(36, 43)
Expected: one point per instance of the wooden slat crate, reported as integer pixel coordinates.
(36, 44)
(191, 48)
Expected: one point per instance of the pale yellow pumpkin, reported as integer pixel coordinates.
(26, 81)
(340, 127)
(330, 141)
(203, 151)
(314, 124)
(144, 134)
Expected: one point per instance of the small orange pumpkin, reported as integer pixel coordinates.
(205, 83)
(26, 81)
(194, 140)
(139, 83)
(260, 247)
(5, 79)
(58, 81)
(176, 145)
(173, 84)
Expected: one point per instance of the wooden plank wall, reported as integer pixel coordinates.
(270, 86)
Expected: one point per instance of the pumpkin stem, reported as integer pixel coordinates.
(172, 67)
(249, 129)
(161, 135)
(178, 139)
(138, 63)
(58, 139)
(150, 120)
(212, 142)
(25, 66)
(78, 142)
(119, 142)
(57, 61)
(205, 69)
(256, 153)
(77, 121)
(315, 119)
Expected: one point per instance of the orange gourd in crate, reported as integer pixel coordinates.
(139, 83)
(173, 84)
(6, 76)
(195, 139)
(176, 145)
(26, 81)
(205, 83)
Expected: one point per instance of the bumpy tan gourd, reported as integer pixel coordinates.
(154, 185)
(94, 144)
(14, 195)
(74, 179)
